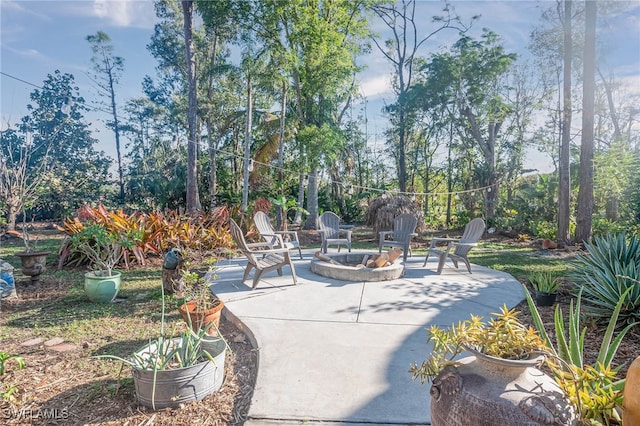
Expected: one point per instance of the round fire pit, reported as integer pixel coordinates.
(349, 272)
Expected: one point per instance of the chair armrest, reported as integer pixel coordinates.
(260, 244)
(294, 234)
(449, 241)
(276, 236)
(271, 251)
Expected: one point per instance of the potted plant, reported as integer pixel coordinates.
(34, 262)
(169, 371)
(103, 249)
(500, 380)
(201, 308)
(546, 286)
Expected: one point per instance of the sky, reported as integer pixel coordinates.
(39, 37)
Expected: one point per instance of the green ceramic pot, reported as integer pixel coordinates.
(101, 289)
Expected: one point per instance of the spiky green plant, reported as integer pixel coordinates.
(544, 282)
(503, 336)
(595, 389)
(606, 272)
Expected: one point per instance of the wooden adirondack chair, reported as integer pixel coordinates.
(331, 233)
(457, 249)
(266, 231)
(404, 227)
(262, 259)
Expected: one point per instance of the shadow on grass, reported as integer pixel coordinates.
(75, 306)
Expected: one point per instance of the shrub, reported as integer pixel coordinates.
(602, 226)
(502, 336)
(611, 267)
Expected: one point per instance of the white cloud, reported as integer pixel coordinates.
(125, 13)
(376, 86)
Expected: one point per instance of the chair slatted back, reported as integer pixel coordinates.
(472, 233)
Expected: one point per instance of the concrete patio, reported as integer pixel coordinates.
(338, 352)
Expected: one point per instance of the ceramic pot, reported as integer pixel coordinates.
(201, 319)
(102, 289)
(486, 391)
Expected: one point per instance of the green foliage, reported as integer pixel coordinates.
(503, 336)
(63, 143)
(287, 205)
(166, 353)
(5, 357)
(594, 389)
(543, 229)
(102, 247)
(611, 267)
(140, 234)
(544, 281)
(602, 226)
(7, 391)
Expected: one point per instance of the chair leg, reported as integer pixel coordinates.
(300, 253)
(443, 258)
(426, 259)
(293, 269)
(405, 254)
(455, 262)
(279, 270)
(246, 272)
(466, 261)
(256, 278)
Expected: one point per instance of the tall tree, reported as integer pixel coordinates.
(564, 176)
(193, 199)
(48, 163)
(108, 69)
(320, 41)
(401, 51)
(584, 216)
(469, 79)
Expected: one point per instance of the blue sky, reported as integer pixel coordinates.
(38, 37)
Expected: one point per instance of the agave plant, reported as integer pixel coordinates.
(595, 389)
(611, 267)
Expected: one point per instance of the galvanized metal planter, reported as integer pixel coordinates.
(169, 388)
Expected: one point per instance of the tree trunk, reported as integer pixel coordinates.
(213, 173)
(312, 200)
(116, 130)
(247, 147)
(12, 216)
(283, 107)
(585, 195)
(193, 201)
(298, 217)
(564, 177)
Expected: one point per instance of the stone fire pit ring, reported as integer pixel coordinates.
(351, 273)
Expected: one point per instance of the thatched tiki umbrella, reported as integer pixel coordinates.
(384, 209)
